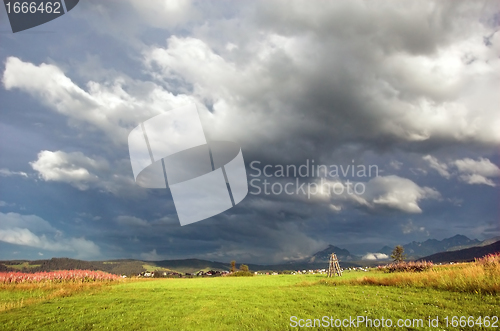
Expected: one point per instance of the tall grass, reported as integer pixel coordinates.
(481, 276)
(19, 289)
(17, 295)
(63, 276)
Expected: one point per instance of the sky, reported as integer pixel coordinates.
(409, 90)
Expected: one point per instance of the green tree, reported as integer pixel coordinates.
(233, 266)
(398, 254)
(244, 267)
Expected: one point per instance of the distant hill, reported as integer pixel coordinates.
(463, 255)
(432, 249)
(489, 241)
(119, 267)
(482, 243)
(324, 255)
(134, 267)
(417, 249)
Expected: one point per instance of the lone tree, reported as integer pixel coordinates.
(244, 268)
(398, 254)
(233, 266)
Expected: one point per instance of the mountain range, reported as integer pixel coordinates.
(417, 249)
(457, 248)
(467, 254)
(413, 250)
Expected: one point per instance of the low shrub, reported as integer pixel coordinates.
(407, 266)
(240, 274)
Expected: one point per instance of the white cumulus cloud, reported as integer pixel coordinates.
(477, 172)
(72, 168)
(374, 256)
(441, 168)
(467, 170)
(131, 221)
(84, 172)
(33, 231)
(4, 172)
(114, 106)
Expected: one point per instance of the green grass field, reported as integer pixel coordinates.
(229, 303)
